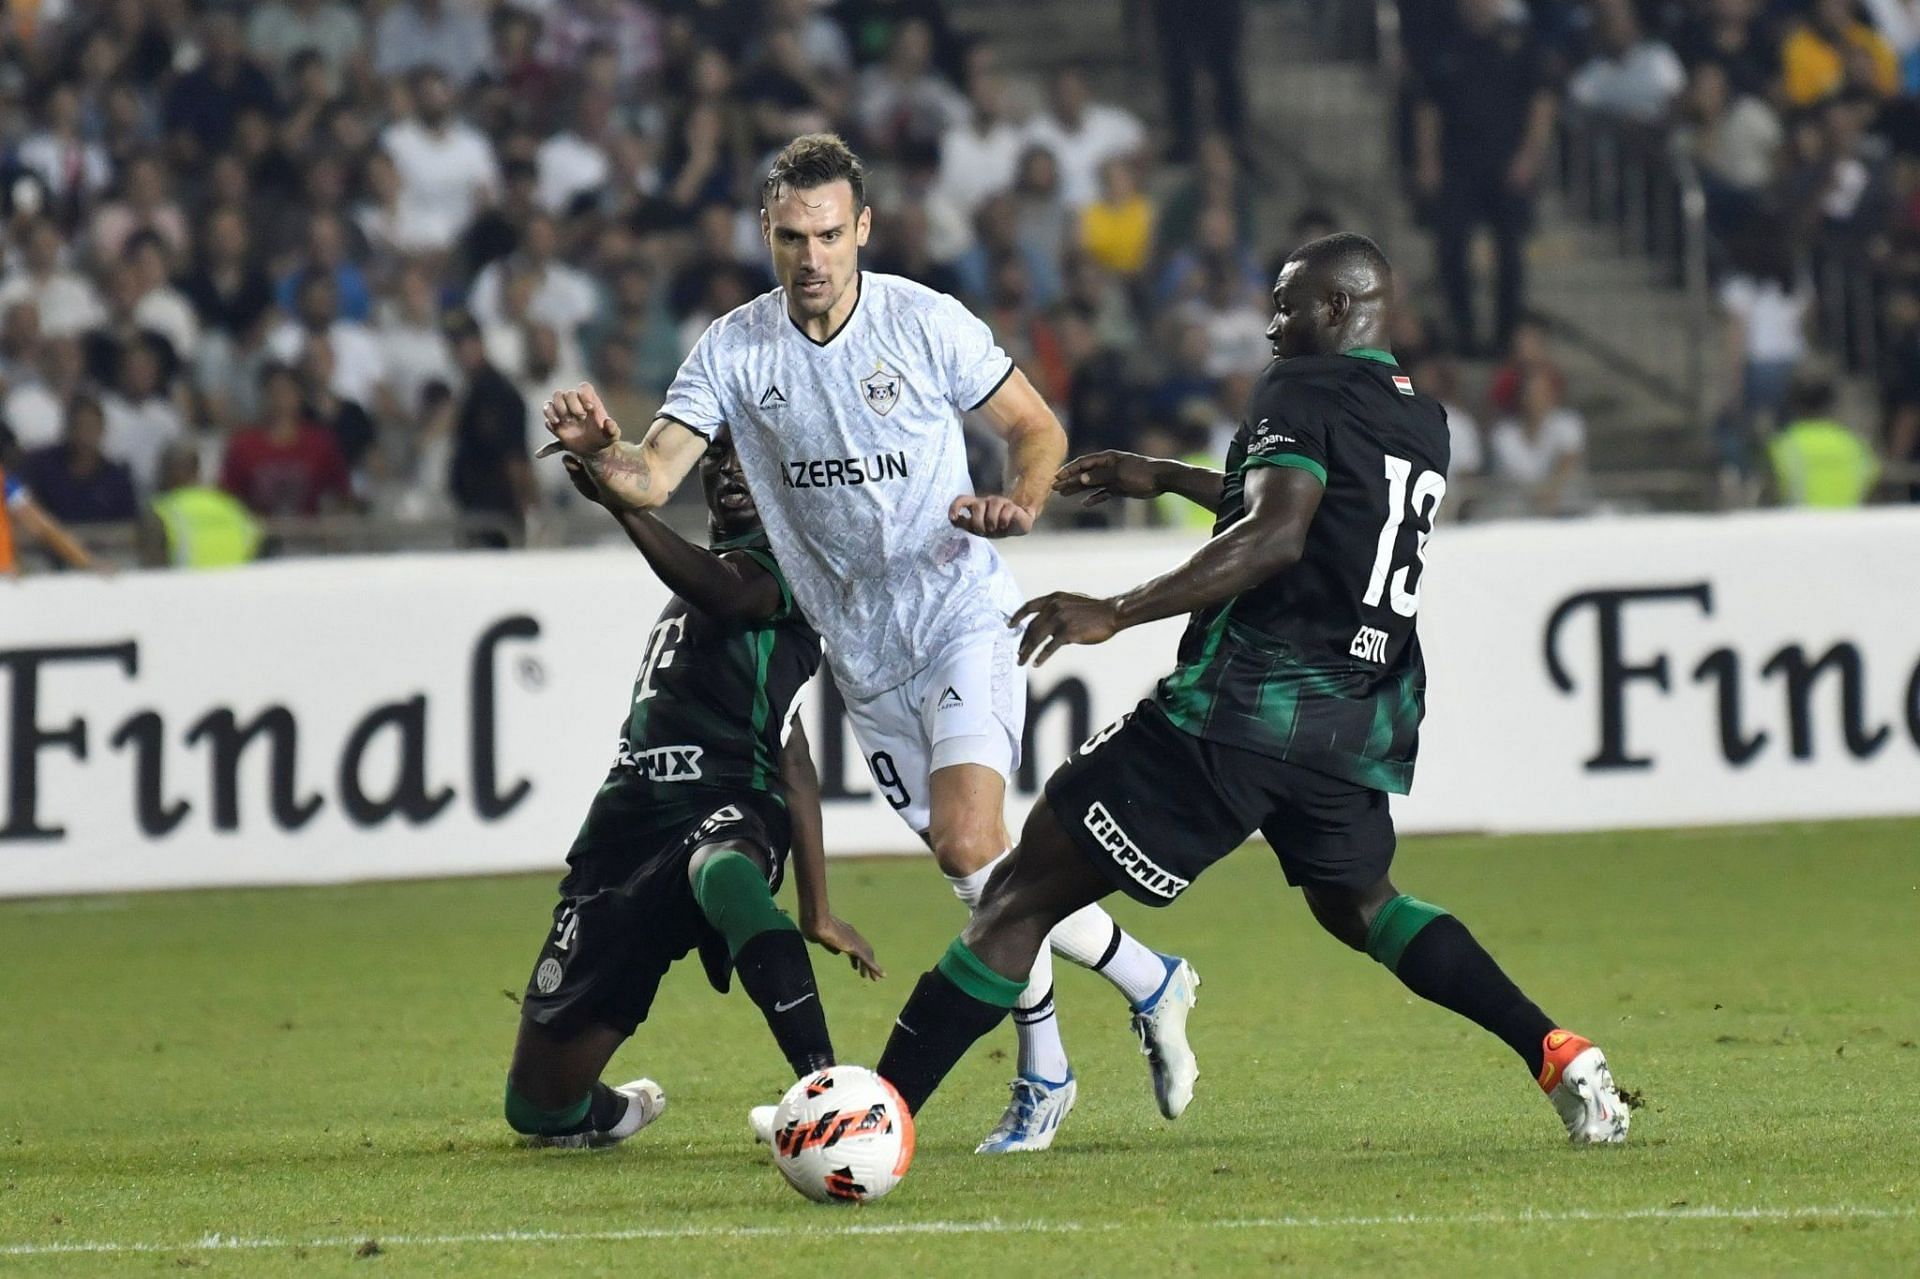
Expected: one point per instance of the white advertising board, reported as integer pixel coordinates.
(408, 716)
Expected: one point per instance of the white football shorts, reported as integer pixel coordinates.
(969, 706)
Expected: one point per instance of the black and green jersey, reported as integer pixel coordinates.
(1319, 664)
(712, 699)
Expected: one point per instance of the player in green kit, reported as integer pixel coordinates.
(1294, 707)
(687, 840)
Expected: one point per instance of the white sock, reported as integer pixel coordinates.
(1042, 1054)
(1090, 938)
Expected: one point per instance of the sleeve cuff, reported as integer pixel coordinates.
(772, 566)
(995, 389)
(704, 432)
(1294, 461)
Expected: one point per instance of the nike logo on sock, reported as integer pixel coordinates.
(791, 1004)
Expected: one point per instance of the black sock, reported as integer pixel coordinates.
(777, 975)
(604, 1109)
(1443, 963)
(932, 1034)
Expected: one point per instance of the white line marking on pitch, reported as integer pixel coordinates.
(234, 1243)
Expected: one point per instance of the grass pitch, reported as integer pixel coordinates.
(308, 1082)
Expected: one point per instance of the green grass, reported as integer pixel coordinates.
(316, 1067)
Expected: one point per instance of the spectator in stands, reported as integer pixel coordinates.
(67, 300)
(191, 524)
(204, 105)
(1631, 77)
(706, 138)
(359, 365)
(1528, 353)
(73, 169)
(20, 344)
(1483, 118)
(75, 481)
(980, 154)
(412, 340)
(904, 103)
(1830, 50)
(161, 308)
(1767, 308)
(637, 317)
(996, 236)
(491, 475)
(1215, 180)
(141, 418)
(1539, 453)
(347, 421)
(1186, 379)
(1217, 248)
(1734, 35)
(1201, 38)
(1083, 135)
(1817, 461)
(447, 169)
(630, 29)
(1117, 229)
(37, 398)
(143, 205)
(905, 248)
(19, 510)
(446, 35)
(1045, 225)
(280, 29)
(1836, 183)
(576, 160)
(1734, 142)
(287, 464)
(1235, 319)
(787, 94)
(1093, 290)
(228, 289)
(327, 255)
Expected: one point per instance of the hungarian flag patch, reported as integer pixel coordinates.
(1403, 384)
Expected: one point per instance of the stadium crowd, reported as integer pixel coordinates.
(273, 261)
(1801, 121)
(309, 257)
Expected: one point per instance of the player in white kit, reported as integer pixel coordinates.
(843, 391)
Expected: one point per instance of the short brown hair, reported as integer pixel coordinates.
(814, 160)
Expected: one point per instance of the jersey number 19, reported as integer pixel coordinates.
(1425, 504)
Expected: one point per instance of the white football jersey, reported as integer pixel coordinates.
(853, 450)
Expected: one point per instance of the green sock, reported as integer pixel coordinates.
(734, 896)
(963, 968)
(525, 1117)
(1398, 922)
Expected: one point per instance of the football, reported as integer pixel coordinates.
(842, 1134)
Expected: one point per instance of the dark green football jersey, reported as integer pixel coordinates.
(710, 705)
(1319, 664)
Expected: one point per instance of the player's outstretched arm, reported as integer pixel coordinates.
(1114, 474)
(1281, 503)
(1036, 443)
(731, 587)
(817, 921)
(630, 476)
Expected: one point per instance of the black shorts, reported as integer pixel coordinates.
(627, 910)
(1152, 807)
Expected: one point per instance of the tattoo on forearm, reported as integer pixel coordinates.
(620, 470)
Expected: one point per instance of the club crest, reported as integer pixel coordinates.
(882, 389)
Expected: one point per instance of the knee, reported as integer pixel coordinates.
(1341, 914)
(964, 850)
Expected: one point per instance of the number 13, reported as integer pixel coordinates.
(1425, 504)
